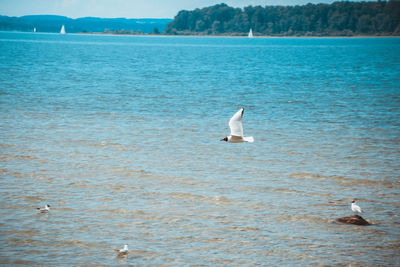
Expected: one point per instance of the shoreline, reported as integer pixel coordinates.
(244, 36)
(214, 36)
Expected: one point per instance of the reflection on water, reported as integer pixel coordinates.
(120, 136)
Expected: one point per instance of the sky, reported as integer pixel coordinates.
(126, 8)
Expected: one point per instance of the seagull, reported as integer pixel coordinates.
(45, 209)
(122, 251)
(355, 208)
(235, 123)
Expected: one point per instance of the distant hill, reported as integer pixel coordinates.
(51, 23)
(336, 19)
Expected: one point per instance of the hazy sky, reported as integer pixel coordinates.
(125, 8)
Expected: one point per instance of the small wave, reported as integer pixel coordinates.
(289, 191)
(302, 218)
(33, 198)
(221, 261)
(220, 199)
(245, 229)
(23, 233)
(213, 240)
(108, 144)
(85, 185)
(24, 262)
(200, 198)
(46, 180)
(24, 157)
(15, 174)
(342, 180)
(292, 102)
(2, 145)
(142, 253)
(124, 171)
(78, 243)
(119, 187)
(122, 211)
(187, 196)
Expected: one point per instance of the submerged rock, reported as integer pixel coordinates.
(355, 219)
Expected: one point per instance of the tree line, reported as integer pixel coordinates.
(336, 19)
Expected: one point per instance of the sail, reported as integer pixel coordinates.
(62, 30)
(34, 29)
(250, 34)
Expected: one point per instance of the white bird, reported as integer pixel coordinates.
(355, 208)
(45, 209)
(123, 251)
(235, 123)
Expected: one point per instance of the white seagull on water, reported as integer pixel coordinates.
(235, 123)
(122, 251)
(45, 209)
(355, 208)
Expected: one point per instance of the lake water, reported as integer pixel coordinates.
(120, 135)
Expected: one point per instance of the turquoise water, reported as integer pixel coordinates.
(120, 135)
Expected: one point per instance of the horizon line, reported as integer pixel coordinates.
(79, 17)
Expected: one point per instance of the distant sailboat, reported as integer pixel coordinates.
(251, 34)
(34, 29)
(62, 30)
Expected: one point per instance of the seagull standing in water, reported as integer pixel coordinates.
(235, 123)
(355, 208)
(122, 251)
(45, 209)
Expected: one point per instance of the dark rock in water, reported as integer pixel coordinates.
(355, 219)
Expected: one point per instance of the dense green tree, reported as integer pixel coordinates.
(339, 18)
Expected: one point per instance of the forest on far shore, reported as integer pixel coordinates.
(336, 19)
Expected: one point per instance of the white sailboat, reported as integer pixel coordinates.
(34, 29)
(251, 34)
(62, 30)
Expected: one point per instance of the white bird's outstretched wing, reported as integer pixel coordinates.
(235, 123)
